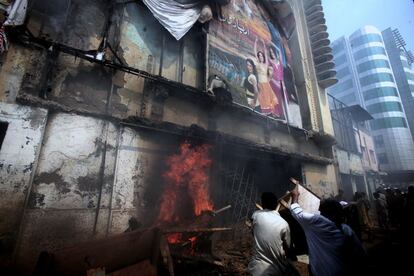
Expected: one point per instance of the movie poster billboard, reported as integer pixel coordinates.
(247, 52)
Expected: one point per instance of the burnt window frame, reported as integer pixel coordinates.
(3, 131)
(197, 28)
(181, 53)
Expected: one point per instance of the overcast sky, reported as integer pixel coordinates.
(346, 16)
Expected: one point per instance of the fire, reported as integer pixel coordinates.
(178, 238)
(187, 170)
(174, 238)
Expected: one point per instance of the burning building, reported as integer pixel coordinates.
(116, 117)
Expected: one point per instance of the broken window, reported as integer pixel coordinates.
(193, 58)
(364, 153)
(372, 154)
(3, 130)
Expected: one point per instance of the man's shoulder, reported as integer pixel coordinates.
(269, 214)
(266, 212)
(283, 222)
(277, 217)
(347, 230)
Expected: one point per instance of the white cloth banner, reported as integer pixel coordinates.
(177, 18)
(16, 13)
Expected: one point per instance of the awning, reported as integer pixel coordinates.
(358, 113)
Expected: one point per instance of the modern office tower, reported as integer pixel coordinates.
(366, 77)
(401, 62)
(346, 89)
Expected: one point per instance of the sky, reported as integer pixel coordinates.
(343, 17)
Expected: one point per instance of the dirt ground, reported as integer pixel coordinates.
(235, 251)
(389, 253)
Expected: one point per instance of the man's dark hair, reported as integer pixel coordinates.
(376, 195)
(269, 201)
(332, 209)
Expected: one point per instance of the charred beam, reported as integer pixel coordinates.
(193, 131)
(195, 230)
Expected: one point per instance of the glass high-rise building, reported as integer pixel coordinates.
(366, 77)
(401, 62)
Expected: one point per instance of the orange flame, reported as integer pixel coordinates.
(187, 169)
(174, 238)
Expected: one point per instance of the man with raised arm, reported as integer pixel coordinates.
(334, 249)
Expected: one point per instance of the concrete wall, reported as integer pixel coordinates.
(369, 160)
(12, 71)
(320, 179)
(138, 180)
(316, 106)
(352, 174)
(74, 177)
(349, 163)
(91, 178)
(18, 160)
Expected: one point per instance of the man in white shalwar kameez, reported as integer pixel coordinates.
(271, 239)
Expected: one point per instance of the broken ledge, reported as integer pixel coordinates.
(194, 131)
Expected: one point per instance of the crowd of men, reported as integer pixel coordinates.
(333, 235)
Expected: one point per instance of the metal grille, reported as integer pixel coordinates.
(239, 190)
(345, 132)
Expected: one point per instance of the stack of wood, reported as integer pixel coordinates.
(192, 252)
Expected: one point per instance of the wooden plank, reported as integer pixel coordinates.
(308, 200)
(195, 230)
(144, 268)
(166, 255)
(113, 253)
(198, 259)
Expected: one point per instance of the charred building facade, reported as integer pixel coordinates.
(111, 114)
(358, 169)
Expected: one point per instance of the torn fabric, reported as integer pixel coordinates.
(176, 16)
(4, 44)
(16, 13)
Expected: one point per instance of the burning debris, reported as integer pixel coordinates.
(186, 199)
(187, 210)
(186, 178)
